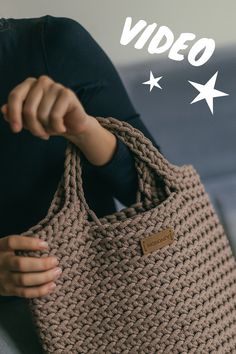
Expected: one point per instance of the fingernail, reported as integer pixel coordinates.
(3, 108)
(57, 271)
(15, 127)
(45, 137)
(43, 244)
(55, 261)
(52, 286)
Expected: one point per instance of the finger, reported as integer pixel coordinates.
(64, 107)
(30, 264)
(15, 102)
(29, 111)
(60, 108)
(53, 123)
(31, 292)
(4, 108)
(16, 242)
(33, 279)
(4, 111)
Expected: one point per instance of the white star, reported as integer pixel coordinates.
(208, 91)
(152, 81)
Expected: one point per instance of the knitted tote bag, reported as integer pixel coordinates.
(156, 277)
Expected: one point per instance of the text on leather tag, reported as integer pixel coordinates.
(157, 240)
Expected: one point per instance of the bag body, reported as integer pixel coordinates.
(156, 277)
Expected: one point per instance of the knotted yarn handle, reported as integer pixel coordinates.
(150, 185)
(149, 162)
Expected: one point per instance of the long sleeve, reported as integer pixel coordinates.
(76, 60)
(32, 168)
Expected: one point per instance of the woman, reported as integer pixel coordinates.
(55, 80)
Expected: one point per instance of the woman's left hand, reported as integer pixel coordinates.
(44, 107)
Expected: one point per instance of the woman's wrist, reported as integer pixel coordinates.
(97, 143)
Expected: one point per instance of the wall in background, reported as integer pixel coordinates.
(104, 19)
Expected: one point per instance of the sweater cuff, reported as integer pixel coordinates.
(119, 173)
(120, 154)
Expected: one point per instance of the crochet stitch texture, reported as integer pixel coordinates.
(110, 297)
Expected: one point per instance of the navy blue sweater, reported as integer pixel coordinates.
(30, 167)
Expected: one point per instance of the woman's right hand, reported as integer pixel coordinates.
(22, 276)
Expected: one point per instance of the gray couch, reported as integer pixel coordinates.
(188, 133)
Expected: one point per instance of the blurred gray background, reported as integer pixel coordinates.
(186, 133)
(104, 19)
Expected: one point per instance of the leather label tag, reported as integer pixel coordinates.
(157, 240)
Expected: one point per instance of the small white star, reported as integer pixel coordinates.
(153, 81)
(208, 91)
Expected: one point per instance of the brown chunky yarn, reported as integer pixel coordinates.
(112, 297)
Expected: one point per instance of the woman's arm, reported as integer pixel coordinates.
(74, 58)
(96, 143)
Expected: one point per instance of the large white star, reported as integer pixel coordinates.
(153, 81)
(208, 91)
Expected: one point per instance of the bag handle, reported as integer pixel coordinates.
(150, 163)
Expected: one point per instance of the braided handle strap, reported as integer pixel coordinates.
(153, 169)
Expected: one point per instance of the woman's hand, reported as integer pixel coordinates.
(25, 276)
(44, 107)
